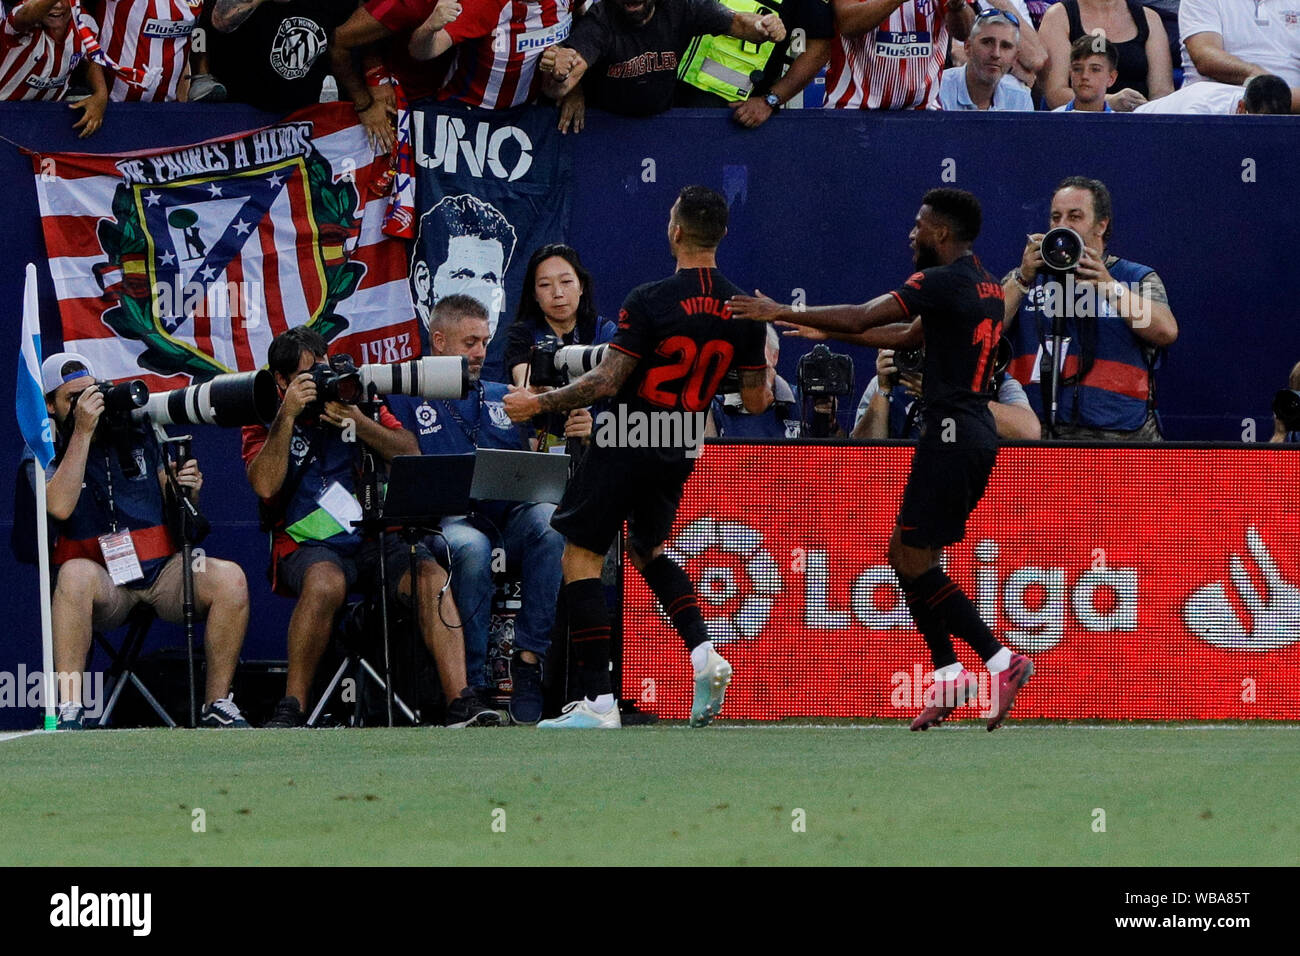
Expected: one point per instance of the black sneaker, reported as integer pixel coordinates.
(288, 713)
(526, 690)
(468, 710)
(71, 717)
(222, 712)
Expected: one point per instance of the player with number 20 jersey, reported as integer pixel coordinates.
(676, 340)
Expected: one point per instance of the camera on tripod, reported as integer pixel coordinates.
(825, 373)
(551, 363)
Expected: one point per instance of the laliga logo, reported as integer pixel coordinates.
(1275, 616)
(425, 415)
(739, 574)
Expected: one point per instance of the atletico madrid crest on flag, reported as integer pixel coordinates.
(207, 252)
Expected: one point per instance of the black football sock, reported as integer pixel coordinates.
(677, 597)
(950, 606)
(932, 629)
(589, 634)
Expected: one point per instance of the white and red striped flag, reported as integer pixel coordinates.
(179, 264)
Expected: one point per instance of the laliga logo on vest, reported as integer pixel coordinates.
(506, 153)
(741, 572)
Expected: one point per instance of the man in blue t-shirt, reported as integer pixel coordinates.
(459, 326)
(105, 492)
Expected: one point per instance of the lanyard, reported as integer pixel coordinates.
(470, 432)
(108, 474)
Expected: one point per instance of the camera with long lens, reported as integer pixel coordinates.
(233, 400)
(909, 361)
(1286, 406)
(114, 426)
(1062, 248)
(338, 380)
(825, 373)
(552, 363)
(120, 401)
(342, 380)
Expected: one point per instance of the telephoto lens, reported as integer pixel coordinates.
(436, 376)
(240, 398)
(1062, 249)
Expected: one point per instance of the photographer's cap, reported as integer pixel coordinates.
(63, 367)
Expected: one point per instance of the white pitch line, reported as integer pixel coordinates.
(21, 733)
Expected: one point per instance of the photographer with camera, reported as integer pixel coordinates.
(729, 418)
(1111, 316)
(459, 326)
(557, 307)
(306, 469)
(1286, 410)
(108, 496)
(891, 406)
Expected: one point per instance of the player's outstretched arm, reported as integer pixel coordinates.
(835, 319)
(601, 382)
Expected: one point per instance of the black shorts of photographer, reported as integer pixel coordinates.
(362, 568)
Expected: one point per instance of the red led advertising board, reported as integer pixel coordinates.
(1145, 582)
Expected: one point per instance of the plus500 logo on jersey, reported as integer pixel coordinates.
(542, 38)
(168, 29)
(889, 43)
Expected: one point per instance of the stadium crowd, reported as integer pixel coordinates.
(642, 57)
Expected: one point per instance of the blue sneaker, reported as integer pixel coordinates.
(579, 716)
(526, 690)
(710, 688)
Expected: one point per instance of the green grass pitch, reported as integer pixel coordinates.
(726, 795)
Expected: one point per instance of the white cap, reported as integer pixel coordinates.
(53, 374)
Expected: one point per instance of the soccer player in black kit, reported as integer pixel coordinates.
(676, 340)
(960, 309)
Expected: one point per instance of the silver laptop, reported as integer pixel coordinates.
(501, 475)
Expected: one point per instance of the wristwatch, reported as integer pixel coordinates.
(773, 101)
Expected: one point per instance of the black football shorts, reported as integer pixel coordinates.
(946, 482)
(611, 486)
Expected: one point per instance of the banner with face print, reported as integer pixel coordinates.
(1145, 582)
(491, 186)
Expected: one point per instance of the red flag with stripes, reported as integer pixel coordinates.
(179, 264)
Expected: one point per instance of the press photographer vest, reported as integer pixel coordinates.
(137, 506)
(318, 457)
(723, 65)
(456, 427)
(1109, 376)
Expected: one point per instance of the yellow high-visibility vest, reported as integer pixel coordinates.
(724, 65)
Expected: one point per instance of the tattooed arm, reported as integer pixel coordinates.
(601, 382)
(228, 15)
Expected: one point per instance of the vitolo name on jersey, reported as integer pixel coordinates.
(107, 910)
(502, 153)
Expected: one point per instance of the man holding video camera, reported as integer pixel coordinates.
(108, 495)
(459, 326)
(1112, 316)
(305, 468)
